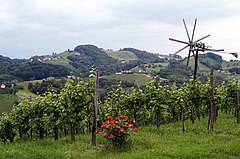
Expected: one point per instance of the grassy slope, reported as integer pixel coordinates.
(25, 92)
(63, 61)
(139, 79)
(122, 55)
(229, 64)
(201, 67)
(6, 102)
(149, 143)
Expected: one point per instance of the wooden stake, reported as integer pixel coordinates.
(95, 105)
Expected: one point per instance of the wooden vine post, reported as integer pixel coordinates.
(30, 122)
(95, 108)
(212, 106)
(238, 105)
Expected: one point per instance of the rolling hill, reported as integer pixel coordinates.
(122, 55)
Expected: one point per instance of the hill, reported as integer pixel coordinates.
(122, 55)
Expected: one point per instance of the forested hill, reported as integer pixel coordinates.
(91, 55)
(23, 70)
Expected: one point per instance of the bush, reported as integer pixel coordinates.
(116, 130)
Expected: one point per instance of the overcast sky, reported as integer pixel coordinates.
(34, 27)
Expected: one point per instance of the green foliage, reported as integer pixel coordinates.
(91, 55)
(211, 60)
(18, 69)
(47, 85)
(7, 102)
(175, 72)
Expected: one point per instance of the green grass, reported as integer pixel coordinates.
(122, 55)
(63, 60)
(149, 143)
(25, 92)
(139, 79)
(6, 102)
(230, 64)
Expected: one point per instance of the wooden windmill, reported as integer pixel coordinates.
(195, 46)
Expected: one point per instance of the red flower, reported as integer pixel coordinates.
(130, 125)
(111, 122)
(104, 125)
(105, 135)
(116, 119)
(122, 117)
(126, 123)
(97, 130)
(136, 129)
(121, 130)
(111, 136)
(110, 118)
(130, 121)
(117, 122)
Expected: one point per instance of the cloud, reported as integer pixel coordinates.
(31, 27)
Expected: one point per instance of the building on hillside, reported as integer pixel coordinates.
(2, 86)
(225, 72)
(127, 71)
(141, 71)
(71, 77)
(147, 65)
(123, 61)
(50, 78)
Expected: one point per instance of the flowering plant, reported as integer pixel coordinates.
(116, 129)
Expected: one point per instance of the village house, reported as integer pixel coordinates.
(2, 86)
(141, 71)
(127, 71)
(71, 77)
(147, 65)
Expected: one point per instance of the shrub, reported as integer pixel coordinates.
(116, 130)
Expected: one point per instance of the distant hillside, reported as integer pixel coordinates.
(91, 55)
(122, 55)
(80, 61)
(145, 57)
(138, 79)
(23, 70)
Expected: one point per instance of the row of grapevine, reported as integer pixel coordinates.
(51, 115)
(70, 111)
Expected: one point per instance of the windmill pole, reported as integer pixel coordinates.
(195, 66)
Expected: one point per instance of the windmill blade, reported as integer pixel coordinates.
(186, 30)
(194, 29)
(180, 50)
(214, 50)
(180, 41)
(202, 38)
(235, 54)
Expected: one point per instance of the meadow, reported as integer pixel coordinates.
(166, 142)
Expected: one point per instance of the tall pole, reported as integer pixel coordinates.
(95, 106)
(212, 106)
(195, 66)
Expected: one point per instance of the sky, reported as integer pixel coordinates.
(38, 27)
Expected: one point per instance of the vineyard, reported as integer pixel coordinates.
(69, 113)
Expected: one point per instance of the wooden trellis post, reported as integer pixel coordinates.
(95, 108)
